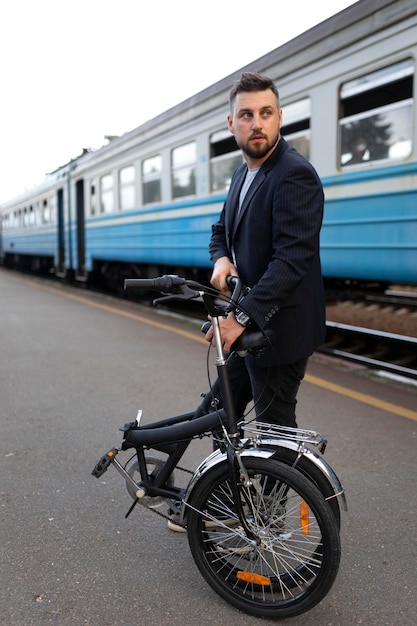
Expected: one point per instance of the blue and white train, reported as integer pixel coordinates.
(144, 203)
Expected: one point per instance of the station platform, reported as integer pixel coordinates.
(74, 367)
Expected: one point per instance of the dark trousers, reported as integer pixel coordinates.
(273, 389)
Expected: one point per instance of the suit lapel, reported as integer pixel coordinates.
(233, 199)
(256, 183)
(233, 215)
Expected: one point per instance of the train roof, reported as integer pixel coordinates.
(360, 20)
(353, 24)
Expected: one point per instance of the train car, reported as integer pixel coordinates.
(144, 203)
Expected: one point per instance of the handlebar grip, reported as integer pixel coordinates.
(166, 283)
(231, 281)
(205, 327)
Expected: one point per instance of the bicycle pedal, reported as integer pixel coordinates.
(104, 463)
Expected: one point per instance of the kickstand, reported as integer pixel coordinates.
(132, 507)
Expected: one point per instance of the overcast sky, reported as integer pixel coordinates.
(73, 72)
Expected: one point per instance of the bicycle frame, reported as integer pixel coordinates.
(262, 511)
(173, 435)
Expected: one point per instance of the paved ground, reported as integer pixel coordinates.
(73, 368)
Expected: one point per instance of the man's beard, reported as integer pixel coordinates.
(259, 151)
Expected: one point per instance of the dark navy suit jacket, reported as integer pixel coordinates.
(275, 239)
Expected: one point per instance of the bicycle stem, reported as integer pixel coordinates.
(236, 469)
(225, 387)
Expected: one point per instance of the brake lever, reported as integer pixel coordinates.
(239, 291)
(184, 293)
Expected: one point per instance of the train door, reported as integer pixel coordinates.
(79, 198)
(60, 261)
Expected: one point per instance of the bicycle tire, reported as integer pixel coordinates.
(296, 557)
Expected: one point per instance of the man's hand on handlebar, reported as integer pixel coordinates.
(223, 268)
(230, 330)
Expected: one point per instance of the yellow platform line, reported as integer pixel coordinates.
(313, 380)
(361, 397)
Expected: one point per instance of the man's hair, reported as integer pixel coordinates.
(251, 81)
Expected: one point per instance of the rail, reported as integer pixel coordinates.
(372, 348)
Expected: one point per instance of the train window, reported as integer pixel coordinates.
(106, 194)
(225, 158)
(151, 179)
(127, 188)
(376, 115)
(49, 210)
(30, 220)
(93, 200)
(183, 170)
(296, 125)
(46, 214)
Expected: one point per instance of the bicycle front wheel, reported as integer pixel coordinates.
(291, 561)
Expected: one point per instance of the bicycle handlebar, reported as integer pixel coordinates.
(171, 282)
(166, 283)
(181, 288)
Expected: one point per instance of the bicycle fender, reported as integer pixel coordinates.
(317, 460)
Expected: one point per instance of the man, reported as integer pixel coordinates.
(268, 235)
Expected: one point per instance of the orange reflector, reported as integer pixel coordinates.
(304, 517)
(257, 579)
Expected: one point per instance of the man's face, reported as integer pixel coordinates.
(256, 122)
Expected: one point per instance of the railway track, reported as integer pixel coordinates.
(375, 349)
(394, 298)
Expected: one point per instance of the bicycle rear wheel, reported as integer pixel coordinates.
(292, 562)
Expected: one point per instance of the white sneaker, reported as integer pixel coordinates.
(219, 523)
(177, 528)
